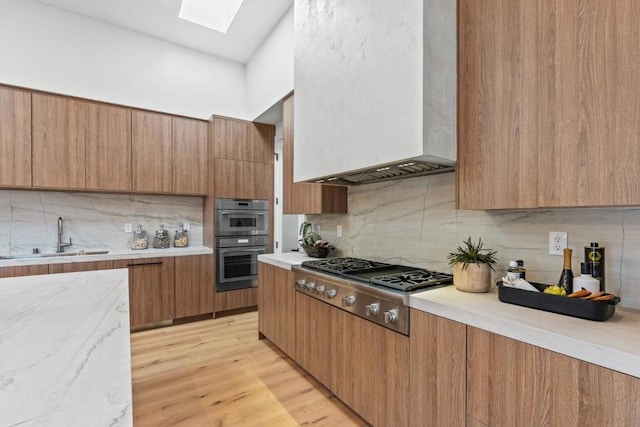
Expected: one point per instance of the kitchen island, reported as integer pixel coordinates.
(64, 341)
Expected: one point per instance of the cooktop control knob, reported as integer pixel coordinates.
(348, 300)
(372, 309)
(390, 316)
(319, 289)
(311, 285)
(300, 283)
(331, 293)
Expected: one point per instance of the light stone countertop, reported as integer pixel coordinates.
(65, 352)
(285, 260)
(112, 255)
(613, 344)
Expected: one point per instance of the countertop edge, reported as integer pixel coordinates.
(284, 260)
(566, 343)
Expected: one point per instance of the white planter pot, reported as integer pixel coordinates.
(475, 278)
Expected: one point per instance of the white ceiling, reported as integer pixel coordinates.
(159, 18)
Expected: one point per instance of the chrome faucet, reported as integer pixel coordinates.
(61, 245)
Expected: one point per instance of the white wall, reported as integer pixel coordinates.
(45, 48)
(269, 73)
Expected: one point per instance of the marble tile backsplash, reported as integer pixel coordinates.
(28, 219)
(414, 222)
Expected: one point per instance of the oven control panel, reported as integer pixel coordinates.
(370, 304)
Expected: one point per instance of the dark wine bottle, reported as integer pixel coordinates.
(566, 278)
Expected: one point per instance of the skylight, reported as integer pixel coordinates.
(215, 14)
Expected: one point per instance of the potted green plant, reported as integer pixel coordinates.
(311, 243)
(472, 266)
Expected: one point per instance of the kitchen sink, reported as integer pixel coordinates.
(62, 254)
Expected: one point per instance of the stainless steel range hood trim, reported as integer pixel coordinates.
(386, 172)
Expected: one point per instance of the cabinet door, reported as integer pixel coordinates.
(437, 385)
(254, 180)
(225, 178)
(232, 300)
(194, 285)
(304, 197)
(151, 152)
(151, 290)
(590, 113)
(59, 135)
(189, 154)
(108, 148)
(512, 383)
(316, 339)
(373, 367)
(499, 89)
(230, 139)
(260, 142)
(15, 138)
(276, 306)
(24, 270)
(80, 266)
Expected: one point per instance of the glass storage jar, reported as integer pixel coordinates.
(181, 238)
(161, 240)
(139, 240)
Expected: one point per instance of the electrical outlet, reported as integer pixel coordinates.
(557, 242)
(128, 228)
(339, 231)
(186, 226)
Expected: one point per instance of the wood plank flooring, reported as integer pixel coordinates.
(217, 373)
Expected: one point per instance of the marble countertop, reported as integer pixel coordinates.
(64, 341)
(613, 344)
(112, 255)
(285, 260)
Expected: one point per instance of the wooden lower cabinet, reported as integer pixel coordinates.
(151, 290)
(232, 300)
(437, 384)
(24, 270)
(277, 306)
(364, 364)
(80, 266)
(193, 285)
(511, 383)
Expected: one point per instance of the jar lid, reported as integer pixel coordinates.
(162, 231)
(139, 231)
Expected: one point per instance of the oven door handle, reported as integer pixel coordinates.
(227, 213)
(227, 250)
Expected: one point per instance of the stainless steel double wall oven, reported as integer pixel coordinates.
(242, 233)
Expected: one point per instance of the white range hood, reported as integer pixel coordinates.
(375, 88)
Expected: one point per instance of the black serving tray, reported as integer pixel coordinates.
(576, 307)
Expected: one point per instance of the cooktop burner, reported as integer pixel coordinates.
(376, 273)
(414, 279)
(344, 265)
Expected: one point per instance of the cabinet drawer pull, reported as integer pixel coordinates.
(148, 263)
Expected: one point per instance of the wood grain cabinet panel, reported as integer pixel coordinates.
(260, 142)
(225, 178)
(304, 197)
(194, 285)
(151, 290)
(151, 152)
(15, 138)
(108, 148)
(437, 384)
(277, 306)
(236, 299)
(548, 112)
(230, 139)
(189, 156)
(80, 266)
(59, 135)
(511, 383)
(254, 180)
(24, 270)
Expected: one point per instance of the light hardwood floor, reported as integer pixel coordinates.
(217, 373)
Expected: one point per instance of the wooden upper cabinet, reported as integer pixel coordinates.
(303, 197)
(151, 152)
(189, 156)
(15, 138)
(59, 134)
(548, 111)
(254, 180)
(108, 148)
(241, 140)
